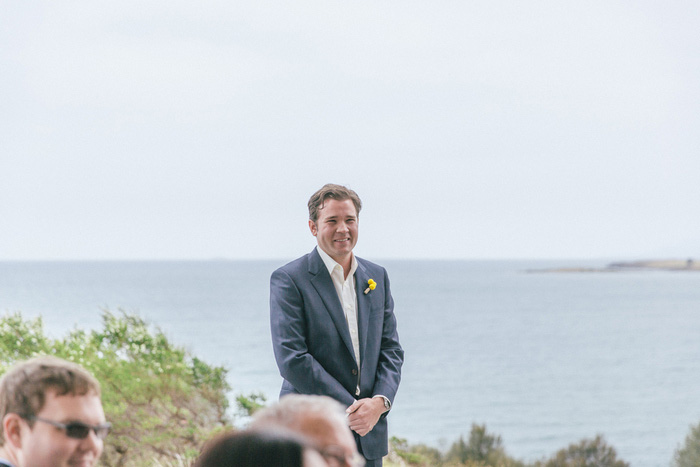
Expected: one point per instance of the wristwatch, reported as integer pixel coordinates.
(387, 404)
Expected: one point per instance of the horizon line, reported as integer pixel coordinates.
(388, 258)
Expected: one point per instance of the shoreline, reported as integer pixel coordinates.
(628, 266)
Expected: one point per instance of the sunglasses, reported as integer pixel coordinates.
(77, 430)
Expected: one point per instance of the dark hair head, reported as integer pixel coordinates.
(331, 191)
(253, 449)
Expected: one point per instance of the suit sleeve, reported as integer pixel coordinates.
(289, 327)
(391, 354)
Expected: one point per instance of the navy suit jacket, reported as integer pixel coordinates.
(312, 344)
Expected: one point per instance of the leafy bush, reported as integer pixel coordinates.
(689, 454)
(486, 450)
(162, 402)
(586, 453)
(401, 453)
(482, 450)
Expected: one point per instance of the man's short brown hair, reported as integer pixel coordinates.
(332, 191)
(23, 388)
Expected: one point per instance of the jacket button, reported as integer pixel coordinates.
(354, 372)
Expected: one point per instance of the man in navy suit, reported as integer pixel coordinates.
(333, 324)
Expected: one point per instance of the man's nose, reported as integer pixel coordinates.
(92, 443)
(343, 227)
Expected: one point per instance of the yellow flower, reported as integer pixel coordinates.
(371, 285)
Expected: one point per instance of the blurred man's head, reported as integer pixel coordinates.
(272, 447)
(51, 415)
(320, 419)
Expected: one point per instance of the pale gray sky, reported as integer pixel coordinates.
(501, 129)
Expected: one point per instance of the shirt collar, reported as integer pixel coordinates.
(331, 263)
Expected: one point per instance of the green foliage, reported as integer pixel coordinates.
(251, 403)
(482, 450)
(480, 446)
(414, 455)
(586, 453)
(689, 454)
(162, 402)
(21, 339)
(486, 450)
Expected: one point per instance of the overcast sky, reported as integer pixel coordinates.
(500, 129)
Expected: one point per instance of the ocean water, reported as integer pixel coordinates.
(543, 360)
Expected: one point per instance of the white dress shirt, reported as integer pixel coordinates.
(345, 287)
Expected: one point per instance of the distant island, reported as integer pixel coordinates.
(648, 265)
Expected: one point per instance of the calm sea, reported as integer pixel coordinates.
(543, 360)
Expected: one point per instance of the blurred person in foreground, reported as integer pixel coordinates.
(320, 419)
(333, 325)
(51, 415)
(271, 448)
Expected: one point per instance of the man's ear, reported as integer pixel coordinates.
(12, 430)
(312, 227)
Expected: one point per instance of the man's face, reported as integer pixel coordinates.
(336, 229)
(48, 446)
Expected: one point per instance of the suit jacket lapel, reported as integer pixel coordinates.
(364, 306)
(323, 284)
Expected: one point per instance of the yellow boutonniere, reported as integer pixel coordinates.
(370, 286)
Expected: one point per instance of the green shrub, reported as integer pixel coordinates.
(586, 453)
(418, 455)
(689, 454)
(482, 450)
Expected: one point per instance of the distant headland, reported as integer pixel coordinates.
(647, 265)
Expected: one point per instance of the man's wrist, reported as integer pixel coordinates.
(385, 401)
